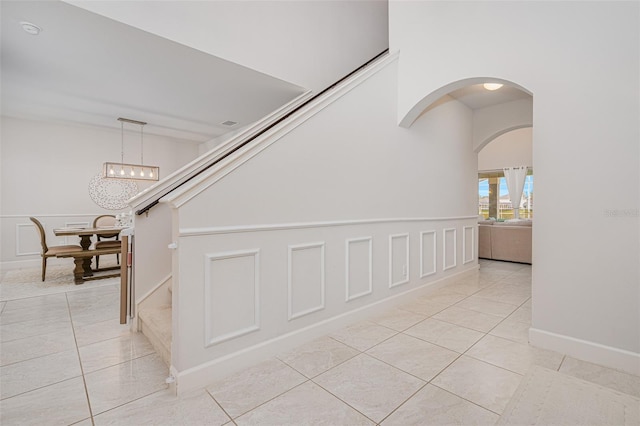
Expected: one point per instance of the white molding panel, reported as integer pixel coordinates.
(231, 295)
(194, 232)
(367, 288)
(468, 244)
(392, 261)
(305, 280)
(33, 235)
(447, 263)
(423, 252)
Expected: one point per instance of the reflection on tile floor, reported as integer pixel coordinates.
(453, 357)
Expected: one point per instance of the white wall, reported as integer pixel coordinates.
(308, 43)
(511, 149)
(580, 60)
(348, 172)
(46, 169)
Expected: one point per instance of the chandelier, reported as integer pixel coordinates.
(128, 171)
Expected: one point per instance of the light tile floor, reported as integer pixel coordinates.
(455, 356)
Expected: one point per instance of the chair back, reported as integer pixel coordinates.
(105, 220)
(43, 237)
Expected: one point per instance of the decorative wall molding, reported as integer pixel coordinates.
(449, 265)
(405, 266)
(291, 284)
(203, 374)
(39, 215)
(468, 244)
(214, 312)
(423, 251)
(193, 232)
(348, 284)
(19, 251)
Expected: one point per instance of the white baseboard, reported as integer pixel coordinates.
(596, 353)
(203, 375)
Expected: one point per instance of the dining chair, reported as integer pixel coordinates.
(103, 221)
(47, 251)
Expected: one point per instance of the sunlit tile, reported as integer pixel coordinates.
(318, 356)
(117, 385)
(440, 408)
(398, 319)
(253, 386)
(513, 356)
(415, 356)
(469, 319)
(363, 335)
(370, 386)
(165, 408)
(36, 346)
(114, 351)
(604, 376)
(61, 403)
(307, 404)
(38, 372)
(486, 306)
(481, 383)
(444, 334)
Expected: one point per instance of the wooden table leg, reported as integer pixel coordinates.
(78, 271)
(85, 243)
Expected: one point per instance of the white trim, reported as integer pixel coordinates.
(291, 249)
(347, 269)
(155, 287)
(444, 249)
(596, 353)
(190, 232)
(204, 374)
(464, 244)
(406, 264)
(209, 339)
(423, 273)
(18, 249)
(209, 176)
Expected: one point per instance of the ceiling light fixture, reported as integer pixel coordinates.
(493, 86)
(127, 171)
(30, 28)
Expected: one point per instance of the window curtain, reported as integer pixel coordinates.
(515, 177)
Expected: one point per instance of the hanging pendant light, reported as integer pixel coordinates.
(135, 171)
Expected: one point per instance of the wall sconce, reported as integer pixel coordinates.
(128, 171)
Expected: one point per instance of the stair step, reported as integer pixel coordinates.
(156, 325)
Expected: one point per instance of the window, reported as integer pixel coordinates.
(493, 196)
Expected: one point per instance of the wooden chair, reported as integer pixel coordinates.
(106, 220)
(48, 252)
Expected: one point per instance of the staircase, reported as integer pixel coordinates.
(154, 321)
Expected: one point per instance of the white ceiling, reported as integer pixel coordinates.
(476, 96)
(86, 68)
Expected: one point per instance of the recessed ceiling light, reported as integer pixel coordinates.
(30, 28)
(492, 86)
(229, 123)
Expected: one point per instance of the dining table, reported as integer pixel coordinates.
(85, 234)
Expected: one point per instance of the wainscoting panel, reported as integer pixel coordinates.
(449, 249)
(27, 239)
(468, 244)
(306, 279)
(398, 259)
(359, 267)
(232, 297)
(427, 253)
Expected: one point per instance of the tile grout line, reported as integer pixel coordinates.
(75, 341)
